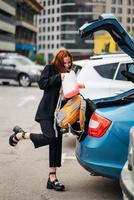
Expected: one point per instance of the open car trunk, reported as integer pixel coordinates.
(91, 106)
(110, 24)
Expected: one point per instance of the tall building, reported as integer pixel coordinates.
(58, 26)
(60, 20)
(124, 11)
(26, 27)
(7, 25)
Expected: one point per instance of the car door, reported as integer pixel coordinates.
(8, 69)
(120, 82)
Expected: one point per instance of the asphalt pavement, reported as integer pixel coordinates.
(24, 170)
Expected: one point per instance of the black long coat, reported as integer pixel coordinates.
(50, 82)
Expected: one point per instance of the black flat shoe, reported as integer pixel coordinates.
(18, 129)
(56, 185)
(13, 140)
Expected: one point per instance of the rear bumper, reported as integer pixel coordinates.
(95, 160)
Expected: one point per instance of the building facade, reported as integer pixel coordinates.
(7, 25)
(60, 20)
(124, 11)
(58, 26)
(26, 26)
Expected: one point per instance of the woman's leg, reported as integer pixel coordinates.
(47, 136)
(42, 139)
(55, 151)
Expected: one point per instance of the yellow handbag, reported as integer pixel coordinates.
(71, 112)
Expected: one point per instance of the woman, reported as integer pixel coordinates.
(50, 82)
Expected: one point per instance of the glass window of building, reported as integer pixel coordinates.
(48, 37)
(58, 19)
(128, 11)
(48, 11)
(52, 19)
(128, 19)
(48, 20)
(128, 28)
(58, 10)
(113, 1)
(119, 10)
(48, 46)
(113, 10)
(120, 2)
(48, 28)
(39, 46)
(129, 2)
(53, 11)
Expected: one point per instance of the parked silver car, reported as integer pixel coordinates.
(15, 67)
(127, 174)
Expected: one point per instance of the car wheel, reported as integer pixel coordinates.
(24, 80)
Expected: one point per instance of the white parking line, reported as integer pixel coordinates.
(25, 100)
(67, 157)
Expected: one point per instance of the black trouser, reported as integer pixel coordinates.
(48, 137)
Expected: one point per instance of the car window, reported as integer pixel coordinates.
(7, 62)
(130, 67)
(124, 67)
(107, 70)
(22, 61)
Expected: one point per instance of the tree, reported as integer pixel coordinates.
(39, 59)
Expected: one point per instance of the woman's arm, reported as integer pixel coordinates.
(47, 80)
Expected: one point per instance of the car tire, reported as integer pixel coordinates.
(24, 80)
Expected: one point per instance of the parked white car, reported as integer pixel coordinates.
(102, 75)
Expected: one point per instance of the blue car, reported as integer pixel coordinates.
(103, 148)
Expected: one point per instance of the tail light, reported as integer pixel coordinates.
(98, 125)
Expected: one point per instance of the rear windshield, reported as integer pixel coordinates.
(107, 70)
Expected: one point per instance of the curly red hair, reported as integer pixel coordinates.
(58, 60)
